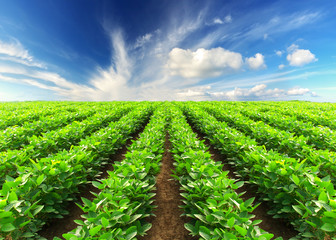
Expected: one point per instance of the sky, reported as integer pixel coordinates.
(85, 50)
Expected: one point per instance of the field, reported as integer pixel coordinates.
(167, 170)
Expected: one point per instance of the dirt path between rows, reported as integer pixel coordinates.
(278, 227)
(167, 225)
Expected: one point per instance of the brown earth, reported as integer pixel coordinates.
(278, 227)
(167, 225)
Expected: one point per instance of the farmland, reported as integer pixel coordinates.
(167, 170)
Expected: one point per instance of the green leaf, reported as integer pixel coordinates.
(190, 228)
(210, 218)
(131, 232)
(323, 197)
(295, 179)
(3, 203)
(239, 184)
(298, 209)
(86, 202)
(231, 222)
(205, 232)
(248, 202)
(38, 209)
(256, 222)
(104, 222)
(5, 214)
(79, 222)
(269, 236)
(25, 223)
(95, 230)
(7, 227)
(229, 236)
(69, 236)
(241, 230)
(96, 184)
(28, 235)
(144, 229)
(126, 218)
(40, 179)
(328, 227)
(12, 197)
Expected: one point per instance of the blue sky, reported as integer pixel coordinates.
(167, 50)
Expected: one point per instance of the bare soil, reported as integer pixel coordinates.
(278, 227)
(57, 227)
(168, 224)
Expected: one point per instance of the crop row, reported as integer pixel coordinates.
(126, 196)
(294, 190)
(15, 161)
(319, 137)
(318, 116)
(279, 140)
(210, 200)
(44, 189)
(10, 117)
(16, 137)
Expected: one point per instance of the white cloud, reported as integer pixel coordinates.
(256, 62)
(227, 19)
(15, 49)
(218, 21)
(292, 48)
(15, 52)
(203, 63)
(300, 57)
(281, 66)
(259, 92)
(279, 53)
(112, 83)
(143, 40)
(298, 91)
(190, 93)
(314, 94)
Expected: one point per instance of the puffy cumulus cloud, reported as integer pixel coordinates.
(299, 57)
(279, 53)
(256, 62)
(281, 66)
(203, 63)
(298, 91)
(314, 94)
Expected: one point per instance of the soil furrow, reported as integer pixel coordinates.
(168, 224)
(58, 227)
(278, 227)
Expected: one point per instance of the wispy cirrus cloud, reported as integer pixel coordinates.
(14, 51)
